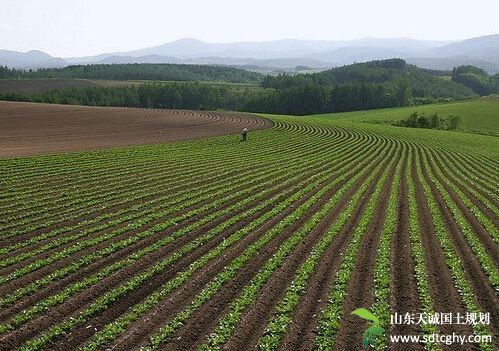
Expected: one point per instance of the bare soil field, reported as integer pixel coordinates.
(35, 86)
(30, 128)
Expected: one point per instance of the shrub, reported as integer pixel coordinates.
(433, 121)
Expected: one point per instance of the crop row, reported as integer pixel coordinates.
(156, 248)
(239, 218)
(329, 319)
(120, 190)
(35, 285)
(452, 260)
(247, 296)
(139, 214)
(102, 302)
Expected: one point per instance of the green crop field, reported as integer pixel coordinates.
(268, 244)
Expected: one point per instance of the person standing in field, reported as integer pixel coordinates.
(243, 134)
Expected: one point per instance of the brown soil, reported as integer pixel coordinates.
(35, 86)
(31, 128)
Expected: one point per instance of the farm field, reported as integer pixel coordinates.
(124, 83)
(29, 128)
(41, 85)
(270, 244)
(35, 86)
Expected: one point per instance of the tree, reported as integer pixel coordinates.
(404, 93)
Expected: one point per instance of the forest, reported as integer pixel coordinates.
(476, 79)
(363, 86)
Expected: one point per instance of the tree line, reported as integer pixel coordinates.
(302, 100)
(175, 95)
(377, 84)
(139, 71)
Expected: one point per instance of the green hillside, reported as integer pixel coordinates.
(477, 116)
(393, 75)
(363, 86)
(422, 83)
(476, 79)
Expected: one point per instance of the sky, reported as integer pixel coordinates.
(68, 28)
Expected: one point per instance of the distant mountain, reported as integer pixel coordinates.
(279, 49)
(192, 48)
(484, 48)
(262, 65)
(482, 52)
(30, 59)
(179, 49)
(287, 54)
(352, 54)
(400, 43)
(142, 59)
(183, 48)
(446, 64)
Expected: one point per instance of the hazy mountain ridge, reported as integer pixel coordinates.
(288, 53)
(30, 59)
